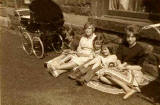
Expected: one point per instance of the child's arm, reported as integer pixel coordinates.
(79, 46)
(68, 51)
(82, 65)
(93, 61)
(121, 65)
(98, 63)
(101, 72)
(82, 54)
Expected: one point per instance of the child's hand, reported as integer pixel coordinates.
(82, 55)
(67, 50)
(85, 66)
(75, 68)
(122, 69)
(146, 27)
(73, 52)
(124, 64)
(101, 72)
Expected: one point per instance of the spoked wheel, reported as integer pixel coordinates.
(58, 44)
(38, 48)
(27, 43)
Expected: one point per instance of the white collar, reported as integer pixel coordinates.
(132, 45)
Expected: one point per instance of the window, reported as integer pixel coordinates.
(134, 9)
(27, 1)
(151, 6)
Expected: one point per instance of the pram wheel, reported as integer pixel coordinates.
(58, 44)
(38, 48)
(21, 29)
(27, 43)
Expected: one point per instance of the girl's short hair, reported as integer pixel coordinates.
(132, 28)
(87, 25)
(109, 48)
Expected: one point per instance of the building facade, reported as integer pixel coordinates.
(113, 15)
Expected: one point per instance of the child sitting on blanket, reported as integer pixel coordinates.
(97, 50)
(110, 70)
(72, 44)
(85, 52)
(129, 77)
(86, 72)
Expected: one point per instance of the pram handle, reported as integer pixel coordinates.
(154, 26)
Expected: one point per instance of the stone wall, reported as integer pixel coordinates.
(78, 7)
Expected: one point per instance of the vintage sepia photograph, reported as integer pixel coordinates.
(79, 52)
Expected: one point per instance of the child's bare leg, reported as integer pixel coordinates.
(130, 93)
(120, 83)
(69, 65)
(56, 73)
(61, 71)
(105, 80)
(128, 90)
(57, 59)
(67, 58)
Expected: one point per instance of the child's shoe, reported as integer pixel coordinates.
(80, 81)
(45, 65)
(74, 75)
(54, 73)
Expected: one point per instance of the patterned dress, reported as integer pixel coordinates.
(131, 75)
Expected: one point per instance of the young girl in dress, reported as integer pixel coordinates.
(72, 44)
(97, 50)
(85, 51)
